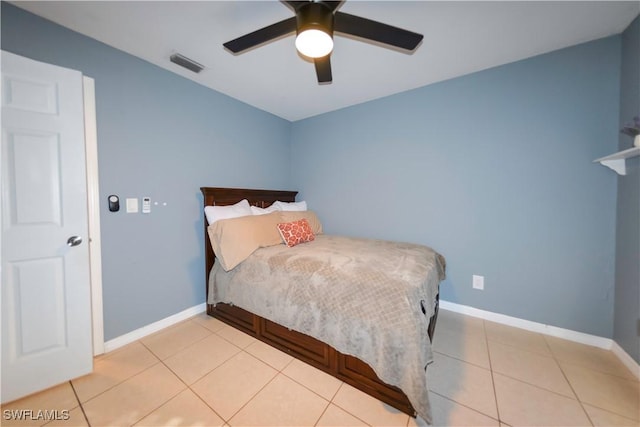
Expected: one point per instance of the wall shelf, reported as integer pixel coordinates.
(617, 161)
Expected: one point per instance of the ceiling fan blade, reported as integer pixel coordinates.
(376, 31)
(323, 69)
(262, 35)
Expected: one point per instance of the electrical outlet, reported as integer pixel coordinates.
(478, 282)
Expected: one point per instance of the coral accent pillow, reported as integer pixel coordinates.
(296, 232)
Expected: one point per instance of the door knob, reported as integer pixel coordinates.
(74, 240)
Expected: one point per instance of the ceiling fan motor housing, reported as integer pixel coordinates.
(314, 16)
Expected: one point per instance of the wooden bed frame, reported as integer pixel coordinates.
(316, 353)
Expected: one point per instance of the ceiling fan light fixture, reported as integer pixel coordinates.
(314, 29)
(314, 43)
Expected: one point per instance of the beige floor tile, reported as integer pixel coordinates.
(236, 337)
(209, 322)
(446, 412)
(532, 368)
(186, 409)
(130, 401)
(312, 378)
(605, 391)
(601, 418)
(336, 417)
(229, 387)
(269, 355)
(589, 357)
(171, 340)
(517, 337)
(283, 402)
(464, 383)
(368, 409)
(522, 404)
(130, 384)
(113, 368)
(74, 418)
(25, 411)
(460, 323)
(197, 360)
(468, 346)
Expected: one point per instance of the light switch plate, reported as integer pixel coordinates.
(478, 282)
(132, 205)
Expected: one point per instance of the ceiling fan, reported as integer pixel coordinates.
(315, 23)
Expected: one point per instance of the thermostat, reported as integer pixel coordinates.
(114, 203)
(146, 204)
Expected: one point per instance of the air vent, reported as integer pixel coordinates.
(185, 62)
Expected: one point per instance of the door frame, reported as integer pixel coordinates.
(93, 211)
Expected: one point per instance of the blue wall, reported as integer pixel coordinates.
(627, 296)
(494, 170)
(162, 136)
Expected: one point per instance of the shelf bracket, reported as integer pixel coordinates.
(617, 165)
(617, 161)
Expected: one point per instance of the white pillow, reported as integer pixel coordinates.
(263, 211)
(216, 213)
(292, 206)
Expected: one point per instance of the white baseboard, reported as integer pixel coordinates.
(593, 340)
(132, 336)
(554, 331)
(626, 359)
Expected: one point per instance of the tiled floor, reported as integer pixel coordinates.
(204, 373)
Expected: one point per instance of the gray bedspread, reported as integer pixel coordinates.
(363, 297)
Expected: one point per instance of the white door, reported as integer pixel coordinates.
(46, 305)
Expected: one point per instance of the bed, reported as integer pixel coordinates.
(313, 351)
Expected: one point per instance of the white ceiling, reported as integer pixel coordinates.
(459, 38)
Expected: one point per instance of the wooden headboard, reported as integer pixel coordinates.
(218, 196)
